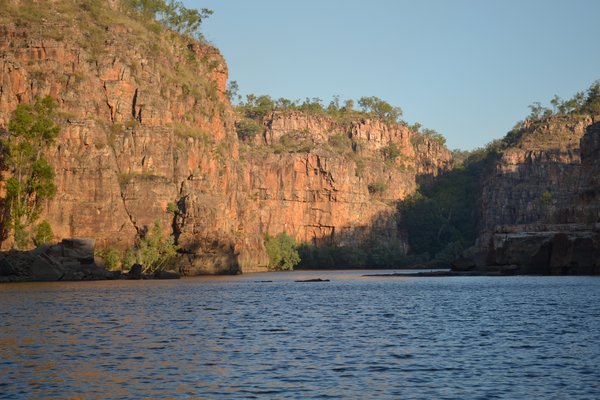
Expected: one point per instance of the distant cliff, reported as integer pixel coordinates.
(540, 209)
(324, 181)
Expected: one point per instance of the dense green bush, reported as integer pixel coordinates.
(42, 233)
(113, 258)
(282, 251)
(247, 129)
(153, 251)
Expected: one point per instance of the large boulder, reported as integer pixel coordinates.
(6, 268)
(45, 269)
(72, 259)
(79, 249)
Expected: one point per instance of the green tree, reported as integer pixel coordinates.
(312, 106)
(592, 101)
(415, 127)
(153, 251)
(282, 251)
(31, 130)
(42, 233)
(348, 106)
(433, 136)
(257, 107)
(284, 104)
(538, 111)
(233, 92)
(380, 108)
(113, 258)
(247, 129)
(172, 15)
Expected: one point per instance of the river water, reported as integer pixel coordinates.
(353, 337)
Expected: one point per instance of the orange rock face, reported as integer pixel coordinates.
(135, 136)
(145, 123)
(335, 185)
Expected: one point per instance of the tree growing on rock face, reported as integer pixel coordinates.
(31, 130)
(247, 129)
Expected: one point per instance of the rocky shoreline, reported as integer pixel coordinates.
(70, 260)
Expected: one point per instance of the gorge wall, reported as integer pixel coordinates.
(540, 209)
(327, 182)
(143, 125)
(146, 126)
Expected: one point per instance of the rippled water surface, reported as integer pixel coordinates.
(352, 337)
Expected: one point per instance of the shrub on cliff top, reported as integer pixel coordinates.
(382, 109)
(282, 251)
(257, 107)
(580, 103)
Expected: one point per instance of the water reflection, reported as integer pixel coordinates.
(352, 337)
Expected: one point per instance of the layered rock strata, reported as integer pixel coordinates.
(141, 127)
(147, 134)
(540, 207)
(324, 181)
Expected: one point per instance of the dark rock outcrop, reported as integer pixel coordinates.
(566, 249)
(70, 260)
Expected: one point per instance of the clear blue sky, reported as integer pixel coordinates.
(465, 68)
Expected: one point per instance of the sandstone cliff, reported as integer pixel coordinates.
(145, 122)
(536, 179)
(326, 181)
(146, 126)
(540, 205)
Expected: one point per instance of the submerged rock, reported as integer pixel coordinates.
(167, 275)
(313, 280)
